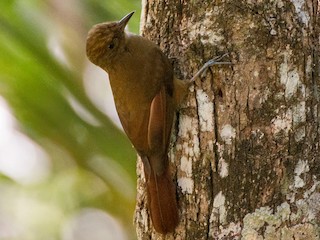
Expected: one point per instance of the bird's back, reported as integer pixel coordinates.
(137, 75)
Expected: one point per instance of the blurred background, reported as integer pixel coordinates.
(66, 169)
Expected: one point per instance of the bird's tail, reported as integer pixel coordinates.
(162, 201)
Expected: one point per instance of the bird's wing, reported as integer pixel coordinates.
(157, 121)
(159, 128)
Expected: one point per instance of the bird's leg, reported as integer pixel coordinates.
(211, 62)
(181, 87)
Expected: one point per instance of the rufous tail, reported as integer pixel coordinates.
(162, 202)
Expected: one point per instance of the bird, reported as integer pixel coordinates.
(146, 95)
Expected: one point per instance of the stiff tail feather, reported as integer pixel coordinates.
(162, 202)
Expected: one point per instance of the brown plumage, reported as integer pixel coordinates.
(141, 79)
(146, 95)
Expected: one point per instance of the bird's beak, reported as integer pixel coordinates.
(123, 22)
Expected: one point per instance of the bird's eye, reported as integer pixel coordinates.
(113, 43)
(111, 46)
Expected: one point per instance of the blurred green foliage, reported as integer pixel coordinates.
(93, 165)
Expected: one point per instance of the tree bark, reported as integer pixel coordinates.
(245, 147)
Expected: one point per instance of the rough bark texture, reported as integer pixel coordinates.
(245, 149)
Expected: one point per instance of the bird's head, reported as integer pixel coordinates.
(106, 40)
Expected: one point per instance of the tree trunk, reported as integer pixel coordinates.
(245, 147)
